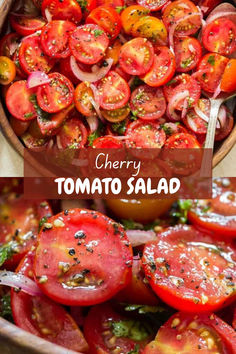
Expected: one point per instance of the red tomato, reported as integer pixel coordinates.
(234, 320)
(182, 141)
(211, 69)
(188, 52)
(56, 95)
(9, 44)
(162, 69)
(34, 144)
(151, 28)
(228, 82)
(83, 97)
(181, 83)
(148, 102)
(179, 11)
(116, 4)
(88, 43)
(88, 255)
(137, 291)
(114, 92)
(131, 15)
(136, 56)
(65, 69)
(25, 25)
(18, 101)
(19, 71)
(55, 38)
(103, 330)
(145, 134)
(19, 127)
(218, 214)
(43, 317)
(107, 142)
(73, 134)
(193, 333)
(219, 36)
(19, 223)
(153, 5)
(107, 18)
(189, 270)
(207, 5)
(32, 57)
(68, 10)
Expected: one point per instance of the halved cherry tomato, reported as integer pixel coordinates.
(113, 52)
(219, 213)
(188, 52)
(34, 130)
(73, 134)
(107, 142)
(18, 101)
(65, 69)
(234, 320)
(78, 248)
(88, 43)
(55, 38)
(19, 127)
(211, 69)
(25, 25)
(7, 71)
(34, 144)
(116, 115)
(43, 317)
(181, 83)
(114, 92)
(145, 134)
(182, 141)
(151, 28)
(136, 56)
(83, 96)
(103, 331)
(142, 210)
(207, 6)
(131, 15)
(19, 223)
(189, 270)
(19, 71)
(68, 10)
(193, 333)
(219, 36)
(228, 82)
(226, 128)
(87, 6)
(107, 18)
(56, 95)
(148, 102)
(162, 69)
(9, 44)
(153, 5)
(116, 4)
(32, 57)
(179, 11)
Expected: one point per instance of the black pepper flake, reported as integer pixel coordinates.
(167, 266)
(79, 234)
(46, 266)
(72, 252)
(89, 249)
(66, 212)
(17, 232)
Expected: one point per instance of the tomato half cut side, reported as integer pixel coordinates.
(116, 115)
(114, 92)
(107, 142)
(189, 270)
(219, 36)
(228, 83)
(188, 52)
(19, 223)
(88, 43)
(55, 38)
(185, 333)
(148, 102)
(32, 57)
(56, 95)
(25, 25)
(19, 126)
(104, 323)
(136, 56)
(34, 144)
(7, 70)
(18, 101)
(43, 317)
(79, 246)
(217, 214)
(8, 44)
(162, 69)
(83, 97)
(131, 15)
(153, 5)
(152, 28)
(72, 135)
(182, 141)
(68, 10)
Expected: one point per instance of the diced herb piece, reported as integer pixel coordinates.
(211, 60)
(5, 306)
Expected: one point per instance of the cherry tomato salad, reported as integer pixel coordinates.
(161, 280)
(74, 72)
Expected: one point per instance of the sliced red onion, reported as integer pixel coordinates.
(95, 68)
(203, 116)
(19, 281)
(37, 33)
(50, 144)
(48, 15)
(204, 9)
(95, 102)
(222, 116)
(100, 206)
(217, 91)
(185, 109)
(178, 97)
(93, 123)
(59, 145)
(13, 47)
(140, 237)
(119, 137)
(89, 77)
(122, 38)
(172, 127)
(223, 10)
(37, 78)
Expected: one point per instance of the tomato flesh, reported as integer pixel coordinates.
(73, 134)
(63, 10)
(26, 25)
(188, 52)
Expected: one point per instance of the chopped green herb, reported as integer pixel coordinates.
(132, 329)
(6, 251)
(211, 60)
(119, 128)
(42, 221)
(28, 115)
(5, 307)
(83, 4)
(95, 134)
(171, 82)
(131, 225)
(40, 113)
(185, 63)
(180, 213)
(120, 8)
(135, 350)
(98, 32)
(143, 309)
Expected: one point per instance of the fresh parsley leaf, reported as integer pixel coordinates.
(135, 83)
(171, 82)
(98, 32)
(42, 221)
(132, 329)
(96, 134)
(83, 4)
(5, 306)
(28, 115)
(131, 225)
(180, 212)
(119, 128)
(6, 251)
(143, 309)
(211, 60)
(185, 63)
(120, 8)
(40, 113)
(135, 350)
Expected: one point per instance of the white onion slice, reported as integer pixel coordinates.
(37, 33)
(222, 116)
(185, 109)
(172, 127)
(140, 237)
(19, 281)
(95, 102)
(93, 123)
(37, 78)
(191, 48)
(119, 137)
(172, 115)
(13, 47)
(89, 77)
(48, 15)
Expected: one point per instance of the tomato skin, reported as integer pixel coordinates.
(225, 130)
(154, 5)
(19, 127)
(73, 134)
(193, 290)
(55, 38)
(34, 314)
(65, 69)
(7, 70)
(107, 142)
(163, 68)
(68, 10)
(83, 94)
(185, 59)
(152, 28)
(26, 25)
(9, 44)
(116, 115)
(34, 144)
(182, 141)
(88, 232)
(228, 82)
(131, 15)
(107, 18)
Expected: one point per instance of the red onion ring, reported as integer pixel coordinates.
(223, 10)
(203, 116)
(37, 78)
(140, 237)
(93, 123)
(171, 114)
(217, 91)
(59, 145)
(48, 15)
(19, 281)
